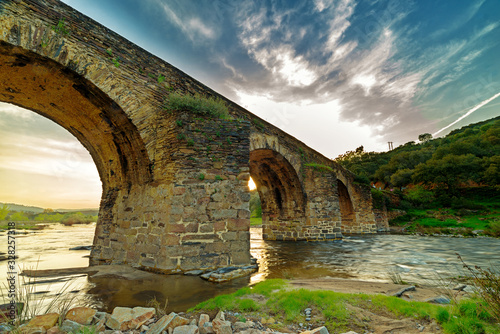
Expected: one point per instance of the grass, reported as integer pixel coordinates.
(197, 104)
(37, 304)
(339, 311)
(255, 221)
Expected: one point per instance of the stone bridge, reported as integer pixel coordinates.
(174, 185)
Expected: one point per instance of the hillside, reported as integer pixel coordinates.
(34, 209)
(447, 185)
(470, 155)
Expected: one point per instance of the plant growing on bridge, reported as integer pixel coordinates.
(197, 104)
(161, 78)
(319, 167)
(60, 28)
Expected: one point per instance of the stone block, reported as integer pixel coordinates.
(186, 329)
(81, 315)
(238, 224)
(125, 318)
(45, 321)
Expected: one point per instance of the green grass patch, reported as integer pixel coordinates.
(197, 104)
(338, 312)
(319, 167)
(255, 221)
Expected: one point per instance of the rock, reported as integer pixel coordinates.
(250, 331)
(206, 328)
(204, 318)
(45, 321)
(53, 330)
(319, 330)
(70, 326)
(124, 318)
(144, 328)
(100, 319)
(221, 326)
(81, 315)
(230, 273)
(269, 321)
(439, 300)
(403, 290)
(178, 321)
(32, 330)
(460, 287)
(308, 310)
(350, 332)
(220, 316)
(161, 324)
(186, 329)
(194, 273)
(308, 319)
(81, 248)
(243, 325)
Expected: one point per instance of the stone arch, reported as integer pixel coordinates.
(347, 214)
(281, 192)
(54, 91)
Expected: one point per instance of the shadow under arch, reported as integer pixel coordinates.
(347, 214)
(279, 187)
(54, 91)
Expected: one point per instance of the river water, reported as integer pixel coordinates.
(415, 258)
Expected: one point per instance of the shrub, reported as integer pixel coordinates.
(197, 104)
(419, 195)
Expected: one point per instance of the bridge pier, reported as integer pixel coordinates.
(196, 215)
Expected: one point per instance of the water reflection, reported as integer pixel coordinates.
(366, 257)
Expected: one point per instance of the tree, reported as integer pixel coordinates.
(449, 171)
(424, 137)
(4, 211)
(19, 216)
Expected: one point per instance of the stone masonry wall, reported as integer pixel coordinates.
(204, 221)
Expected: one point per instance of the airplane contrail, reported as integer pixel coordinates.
(468, 113)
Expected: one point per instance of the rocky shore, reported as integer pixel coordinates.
(141, 320)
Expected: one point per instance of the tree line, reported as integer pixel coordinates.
(48, 215)
(466, 157)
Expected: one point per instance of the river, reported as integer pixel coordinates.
(372, 257)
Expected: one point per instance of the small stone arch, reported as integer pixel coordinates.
(282, 196)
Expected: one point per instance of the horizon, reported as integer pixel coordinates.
(334, 74)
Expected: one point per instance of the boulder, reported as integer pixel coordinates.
(81, 315)
(70, 326)
(54, 330)
(204, 318)
(243, 325)
(124, 318)
(222, 326)
(403, 290)
(45, 321)
(206, 328)
(159, 326)
(439, 300)
(186, 329)
(319, 330)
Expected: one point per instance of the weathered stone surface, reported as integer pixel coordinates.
(204, 318)
(243, 325)
(222, 326)
(319, 330)
(81, 315)
(162, 324)
(186, 329)
(124, 318)
(45, 321)
(401, 291)
(439, 300)
(70, 326)
(207, 328)
(54, 330)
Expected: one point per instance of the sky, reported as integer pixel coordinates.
(336, 74)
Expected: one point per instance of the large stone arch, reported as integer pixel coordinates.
(50, 89)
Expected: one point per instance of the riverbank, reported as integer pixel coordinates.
(323, 305)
